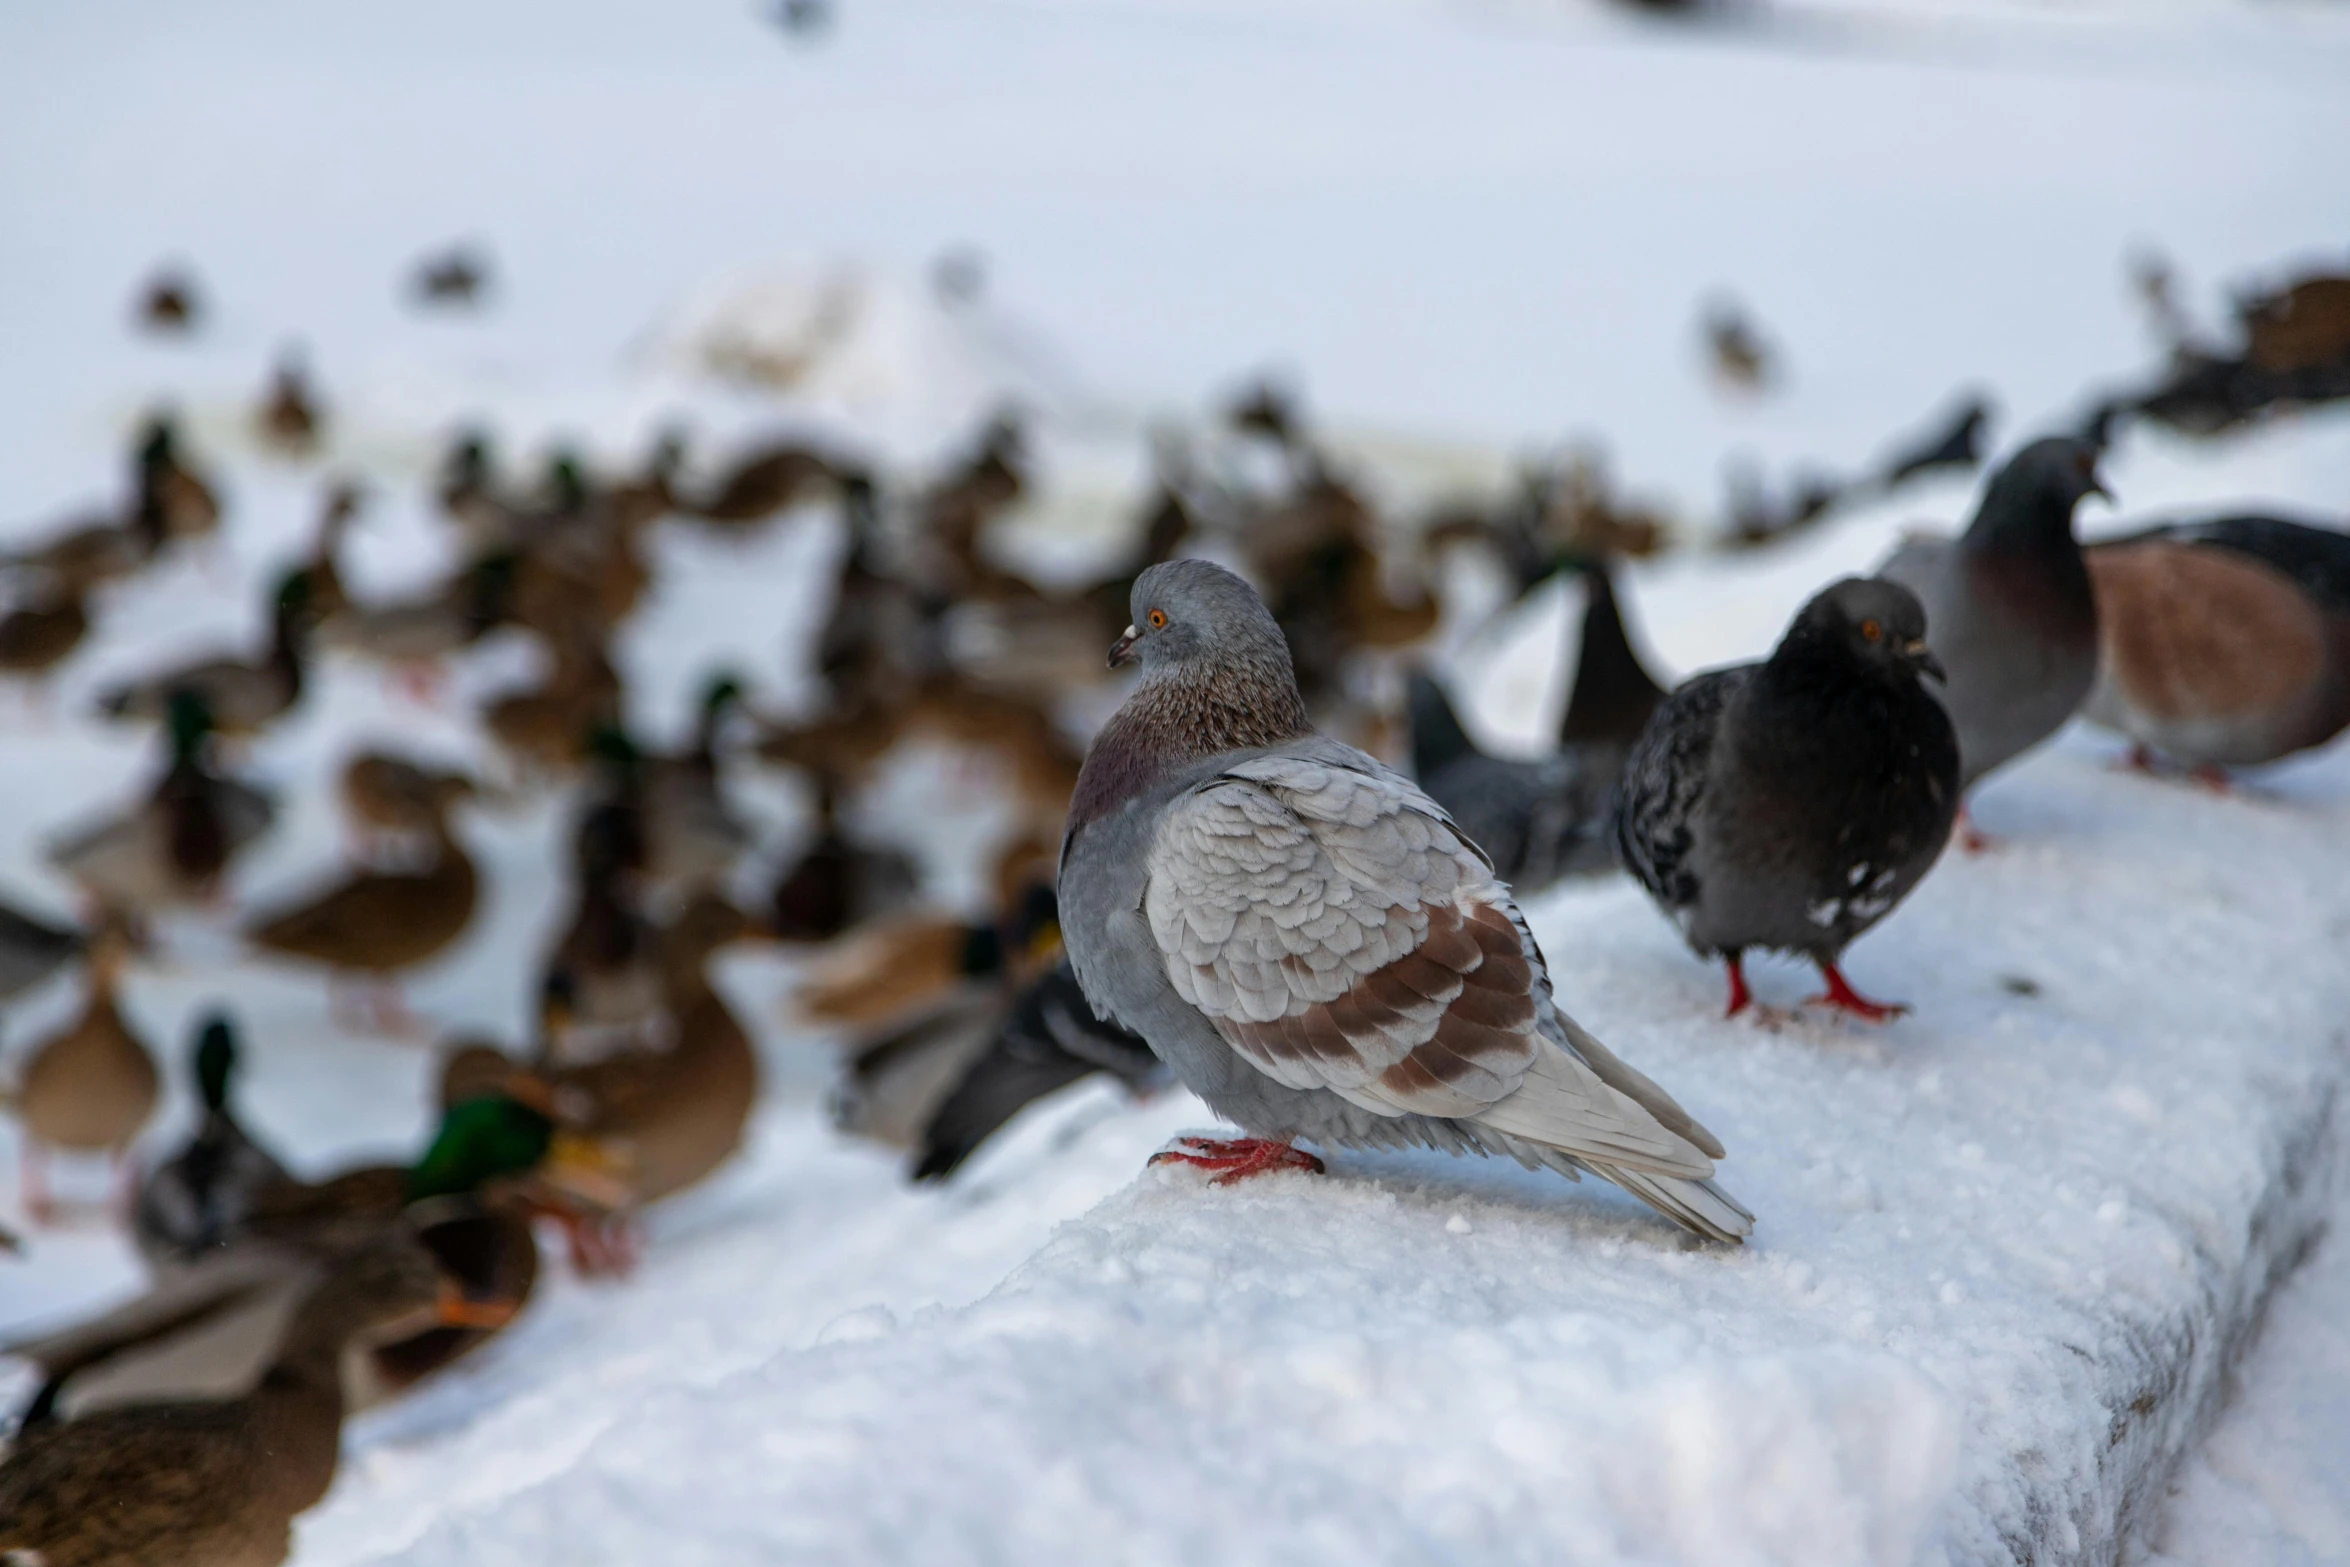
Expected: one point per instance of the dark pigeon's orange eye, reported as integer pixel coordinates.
(1872, 631)
(1158, 619)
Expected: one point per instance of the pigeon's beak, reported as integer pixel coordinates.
(1122, 651)
(1923, 656)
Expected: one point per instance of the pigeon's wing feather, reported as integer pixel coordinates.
(1339, 934)
(1664, 785)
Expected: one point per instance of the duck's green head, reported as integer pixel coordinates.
(216, 1060)
(567, 483)
(158, 443)
(188, 718)
(296, 591)
(609, 747)
(724, 691)
(479, 1140)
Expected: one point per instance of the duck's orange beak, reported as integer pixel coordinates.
(456, 1309)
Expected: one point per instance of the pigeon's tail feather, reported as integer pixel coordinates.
(1700, 1206)
(1438, 740)
(1614, 692)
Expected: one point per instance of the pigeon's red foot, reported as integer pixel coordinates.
(1237, 1158)
(1842, 997)
(1740, 997)
(2214, 778)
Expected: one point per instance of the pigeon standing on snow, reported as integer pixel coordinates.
(1541, 820)
(2220, 655)
(2014, 618)
(1312, 946)
(1791, 804)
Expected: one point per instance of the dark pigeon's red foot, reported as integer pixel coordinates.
(2214, 778)
(1841, 996)
(1237, 1158)
(1740, 997)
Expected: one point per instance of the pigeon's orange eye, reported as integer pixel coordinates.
(1872, 631)
(1158, 619)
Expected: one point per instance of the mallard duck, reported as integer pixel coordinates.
(43, 630)
(882, 637)
(219, 1484)
(31, 950)
(607, 958)
(243, 696)
(377, 923)
(88, 1088)
(955, 512)
(328, 598)
(451, 277)
(899, 969)
(174, 846)
(837, 883)
(414, 634)
(289, 418)
(198, 1200)
(469, 494)
(170, 302)
(657, 1121)
(546, 729)
(168, 501)
(209, 1325)
(769, 480)
(183, 503)
(388, 800)
(693, 838)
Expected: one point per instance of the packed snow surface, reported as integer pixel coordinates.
(2007, 1245)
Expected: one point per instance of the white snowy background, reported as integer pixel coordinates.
(2006, 1245)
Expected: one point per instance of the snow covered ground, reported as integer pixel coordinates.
(2007, 1245)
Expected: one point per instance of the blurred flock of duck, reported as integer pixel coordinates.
(278, 1305)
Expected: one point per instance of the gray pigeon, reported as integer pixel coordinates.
(2014, 619)
(1312, 945)
(1791, 804)
(1542, 820)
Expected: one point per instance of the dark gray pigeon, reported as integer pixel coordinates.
(1791, 804)
(1541, 820)
(1050, 1041)
(2014, 619)
(1313, 946)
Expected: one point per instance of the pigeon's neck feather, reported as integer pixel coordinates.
(1180, 717)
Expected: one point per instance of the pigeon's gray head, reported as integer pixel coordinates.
(2032, 498)
(1194, 612)
(1877, 624)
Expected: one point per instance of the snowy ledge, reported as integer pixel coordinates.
(2009, 1247)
